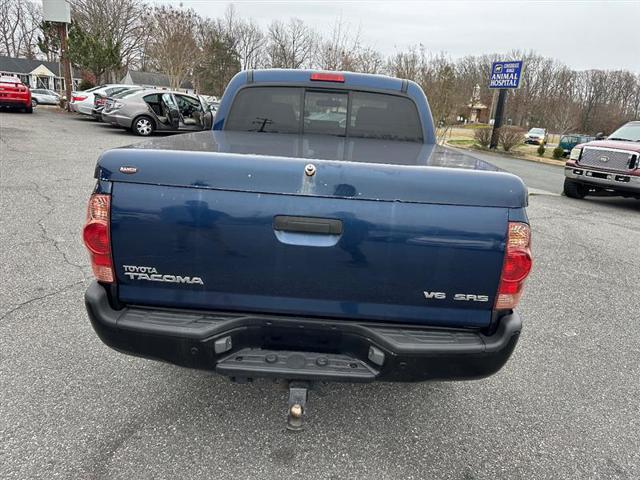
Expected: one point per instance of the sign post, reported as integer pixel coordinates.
(504, 75)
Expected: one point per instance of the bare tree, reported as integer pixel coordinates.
(340, 50)
(19, 28)
(369, 61)
(290, 45)
(244, 36)
(174, 48)
(406, 64)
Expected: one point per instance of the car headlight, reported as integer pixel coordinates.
(575, 153)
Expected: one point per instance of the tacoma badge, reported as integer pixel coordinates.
(150, 274)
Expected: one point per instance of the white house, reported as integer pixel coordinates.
(154, 80)
(36, 73)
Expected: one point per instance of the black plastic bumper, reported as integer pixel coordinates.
(252, 345)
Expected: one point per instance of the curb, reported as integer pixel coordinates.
(547, 161)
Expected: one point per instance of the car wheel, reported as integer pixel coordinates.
(34, 103)
(143, 126)
(29, 109)
(574, 189)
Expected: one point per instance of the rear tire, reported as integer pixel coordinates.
(143, 126)
(28, 109)
(574, 189)
(34, 103)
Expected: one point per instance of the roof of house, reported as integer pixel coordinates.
(26, 65)
(155, 79)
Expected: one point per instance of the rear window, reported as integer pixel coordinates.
(126, 93)
(114, 90)
(275, 110)
(323, 111)
(389, 117)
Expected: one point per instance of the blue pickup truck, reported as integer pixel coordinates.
(317, 233)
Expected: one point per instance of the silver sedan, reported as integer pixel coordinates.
(42, 96)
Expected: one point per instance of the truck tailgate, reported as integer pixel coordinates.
(386, 256)
(241, 232)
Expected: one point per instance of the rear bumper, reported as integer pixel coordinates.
(116, 120)
(249, 345)
(14, 102)
(83, 108)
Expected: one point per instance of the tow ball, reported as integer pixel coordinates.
(298, 394)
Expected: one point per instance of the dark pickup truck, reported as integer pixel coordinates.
(317, 233)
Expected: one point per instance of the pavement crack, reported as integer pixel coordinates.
(41, 297)
(49, 238)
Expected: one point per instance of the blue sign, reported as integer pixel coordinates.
(505, 74)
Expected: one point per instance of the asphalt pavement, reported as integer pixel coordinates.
(565, 406)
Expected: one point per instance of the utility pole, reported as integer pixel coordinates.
(58, 12)
(66, 65)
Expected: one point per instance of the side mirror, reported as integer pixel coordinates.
(600, 136)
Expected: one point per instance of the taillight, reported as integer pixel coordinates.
(97, 238)
(78, 98)
(516, 266)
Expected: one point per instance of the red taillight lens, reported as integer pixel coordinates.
(327, 77)
(516, 267)
(78, 98)
(97, 238)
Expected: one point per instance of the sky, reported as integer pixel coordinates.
(583, 34)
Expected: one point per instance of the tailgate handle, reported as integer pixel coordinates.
(325, 226)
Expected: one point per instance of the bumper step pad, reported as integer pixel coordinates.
(252, 362)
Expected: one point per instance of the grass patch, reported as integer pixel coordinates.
(461, 141)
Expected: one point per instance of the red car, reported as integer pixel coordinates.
(610, 166)
(14, 94)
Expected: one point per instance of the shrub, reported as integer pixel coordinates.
(482, 136)
(85, 85)
(541, 150)
(509, 137)
(558, 153)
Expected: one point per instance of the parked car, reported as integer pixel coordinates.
(147, 111)
(569, 141)
(606, 166)
(42, 96)
(82, 102)
(100, 98)
(14, 94)
(290, 245)
(536, 136)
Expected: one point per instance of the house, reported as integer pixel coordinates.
(477, 113)
(154, 80)
(36, 73)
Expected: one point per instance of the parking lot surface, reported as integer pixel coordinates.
(565, 406)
